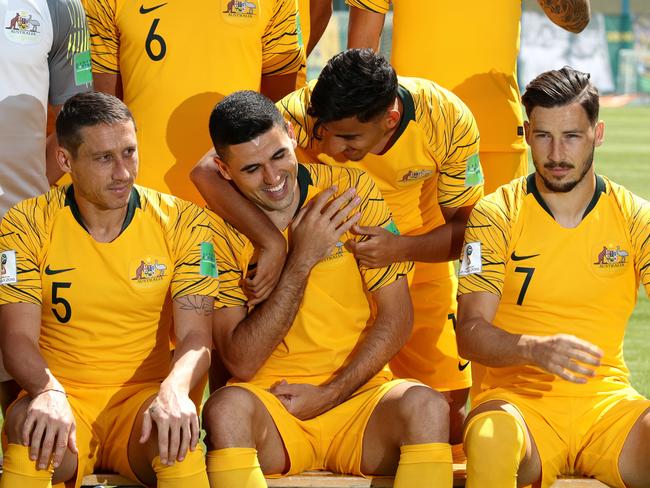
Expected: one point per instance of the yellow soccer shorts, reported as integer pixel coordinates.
(431, 354)
(577, 435)
(332, 441)
(500, 168)
(104, 418)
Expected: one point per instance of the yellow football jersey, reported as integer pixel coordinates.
(334, 313)
(177, 60)
(469, 48)
(433, 162)
(551, 280)
(102, 303)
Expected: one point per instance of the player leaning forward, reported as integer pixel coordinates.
(310, 387)
(549, 277)
(87, 269)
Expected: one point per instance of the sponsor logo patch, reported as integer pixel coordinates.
(470, 259)
(473, 172)
(8, 272)
(208, 264)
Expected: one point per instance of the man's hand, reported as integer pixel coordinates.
(567, 356)
(319, 225)
(177, 423)
(304, 401)
(49, 425)
(378, 251)
(270, 262)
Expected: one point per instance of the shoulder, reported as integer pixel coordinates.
(633, 208)
(505, 203)
(325, 175)
(168, 209)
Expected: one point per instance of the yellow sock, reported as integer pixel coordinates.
(235, 467)
(495, 444)
(18, 471)
(188, 472)
(424, 465)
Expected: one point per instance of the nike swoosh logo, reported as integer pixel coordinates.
(147, 10)
(514, 257)
(461, 367)
(49, 271)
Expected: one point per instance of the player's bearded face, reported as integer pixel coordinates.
(264, 169)
(106, 165)
(562, 142)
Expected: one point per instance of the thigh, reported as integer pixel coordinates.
(295, 443)
(431, 354)
(616, 447)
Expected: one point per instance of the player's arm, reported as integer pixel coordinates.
(479, 340)
(172, 410)
(441, 244)
(571, 15)
(49, 426)
(245, 341)
(364, 28)
(277, 86)
(320, 12)
(248, 219)
(53, 171)
(110, 83)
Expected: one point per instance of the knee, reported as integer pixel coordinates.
(14, 422)
(422, 408)
(229, 407)
(495, 432)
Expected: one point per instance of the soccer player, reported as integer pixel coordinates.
(171, 61)
(90, 273)
(549, 277)
(44, 57)
(310, 387)
(471, 49)
(419, 143)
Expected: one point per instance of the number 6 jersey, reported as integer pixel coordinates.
(581, 281)
(104, 319)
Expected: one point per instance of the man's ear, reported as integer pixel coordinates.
(223, 168)
(64, 159)
(392, 117)
(527, 131)
(599, 133)
(292, 134)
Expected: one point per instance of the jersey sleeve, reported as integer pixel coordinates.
(229, 245)
(453, 139)
(639, 228)
(374, 213)
(69, 57)
(485, 251)
(21, 232)
(377, 6)
(190, 239)
(104, 36)
(282, 45)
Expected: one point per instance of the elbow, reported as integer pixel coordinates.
(243, 369)
(464, 344)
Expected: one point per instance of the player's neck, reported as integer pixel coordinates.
(104, 225)
(282, 218)
(568, 208)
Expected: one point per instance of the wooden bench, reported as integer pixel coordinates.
(322, 479)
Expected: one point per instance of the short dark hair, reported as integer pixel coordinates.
(355, 83)
(556, 88)
(240, 117)
(85, 110)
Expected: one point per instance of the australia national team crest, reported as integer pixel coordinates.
(239, 9)
(611, 256)
(413, 175)
(22, 26)
(337, 252)
(148, 270)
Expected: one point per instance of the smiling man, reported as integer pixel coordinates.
(92, 273)
(419, 143)
(549, 277)
(310, 387)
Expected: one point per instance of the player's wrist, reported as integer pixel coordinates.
(526, 347)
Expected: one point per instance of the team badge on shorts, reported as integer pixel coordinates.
(8, 272)
(22, 26)
(470, 259)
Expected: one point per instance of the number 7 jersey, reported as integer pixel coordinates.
(581, 281)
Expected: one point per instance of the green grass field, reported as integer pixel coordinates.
(625, 158)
